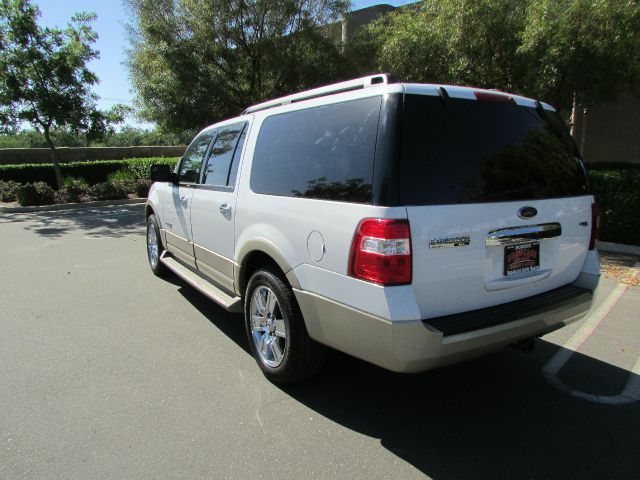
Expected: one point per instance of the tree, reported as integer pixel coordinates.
(193, 62)
(582, 52)
(568, 52)
(465, 42)
(44, 79)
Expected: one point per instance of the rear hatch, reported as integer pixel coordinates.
(496, 198)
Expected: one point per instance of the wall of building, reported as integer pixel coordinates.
(80, 154)
(353, 21)
(611, 132)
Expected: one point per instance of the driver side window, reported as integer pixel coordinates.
(192, 160)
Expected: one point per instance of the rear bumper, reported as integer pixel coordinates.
(413, 346)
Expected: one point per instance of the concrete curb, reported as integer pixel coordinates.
(618, 248)
(72, 206)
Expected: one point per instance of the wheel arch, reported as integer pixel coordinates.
(257, 254)
(149, 210)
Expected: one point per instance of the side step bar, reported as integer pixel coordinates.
(233, 304)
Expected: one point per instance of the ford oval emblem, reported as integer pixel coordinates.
(527, 212)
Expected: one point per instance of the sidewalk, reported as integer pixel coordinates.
(15, 208)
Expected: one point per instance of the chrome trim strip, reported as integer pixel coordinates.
(513, 235)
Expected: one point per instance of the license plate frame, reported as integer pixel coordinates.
(521, 258)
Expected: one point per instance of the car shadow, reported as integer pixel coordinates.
(492, 417)
(97, 222)
(230, 324)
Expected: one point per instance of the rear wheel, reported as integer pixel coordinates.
(277, 334)
(154, 247)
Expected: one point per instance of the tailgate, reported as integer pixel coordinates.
(472, 256)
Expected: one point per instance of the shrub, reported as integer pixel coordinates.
(123, 179)
(119, 175)
(127, 186)
(74, 190)
(8, 191)
(93, 172)
(617, 191)
(38, 193)
(106, 191)
(141, 168)
(76, 181)
(142, 187)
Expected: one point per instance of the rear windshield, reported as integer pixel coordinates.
(467, 151)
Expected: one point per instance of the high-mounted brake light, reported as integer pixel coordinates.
(493, 97)
(595, 225)
(381, 251)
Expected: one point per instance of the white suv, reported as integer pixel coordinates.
(409, 225)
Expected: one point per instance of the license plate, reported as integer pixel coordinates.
(521, 258)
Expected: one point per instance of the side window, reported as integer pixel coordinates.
(222, 153)
(323, 152)
(193, 157)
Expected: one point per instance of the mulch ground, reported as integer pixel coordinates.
(621, 267)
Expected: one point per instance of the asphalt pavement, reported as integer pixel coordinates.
(109, 372)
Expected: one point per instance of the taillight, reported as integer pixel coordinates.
(381, 251)
(595, 225)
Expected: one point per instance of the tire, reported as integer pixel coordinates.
(154, 247)
(276, 331)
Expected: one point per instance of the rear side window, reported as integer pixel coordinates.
(323, 152)
(465, 151)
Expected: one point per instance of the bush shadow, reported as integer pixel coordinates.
(97, 222)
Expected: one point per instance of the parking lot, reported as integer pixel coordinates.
(109, 372)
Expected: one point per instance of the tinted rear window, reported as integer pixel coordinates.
(323, 152)
(467, 151)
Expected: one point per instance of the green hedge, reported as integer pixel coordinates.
(93, 172)
(616, 187)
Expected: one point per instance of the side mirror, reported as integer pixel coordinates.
(162, 173)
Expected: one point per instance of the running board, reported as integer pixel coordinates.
(233, 304)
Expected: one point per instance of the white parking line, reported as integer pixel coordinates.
(631, 391)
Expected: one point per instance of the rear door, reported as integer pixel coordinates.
(213, 206)
(496, 198)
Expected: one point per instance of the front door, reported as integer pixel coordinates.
(177, 212)
(213, 205)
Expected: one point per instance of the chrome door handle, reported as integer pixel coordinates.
(225, 210)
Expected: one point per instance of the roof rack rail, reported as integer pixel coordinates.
(355, 84)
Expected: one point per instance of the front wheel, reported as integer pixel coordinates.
(277, 334)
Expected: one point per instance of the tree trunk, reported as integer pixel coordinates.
(54, 158)
(574, 113)
(583, 136)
